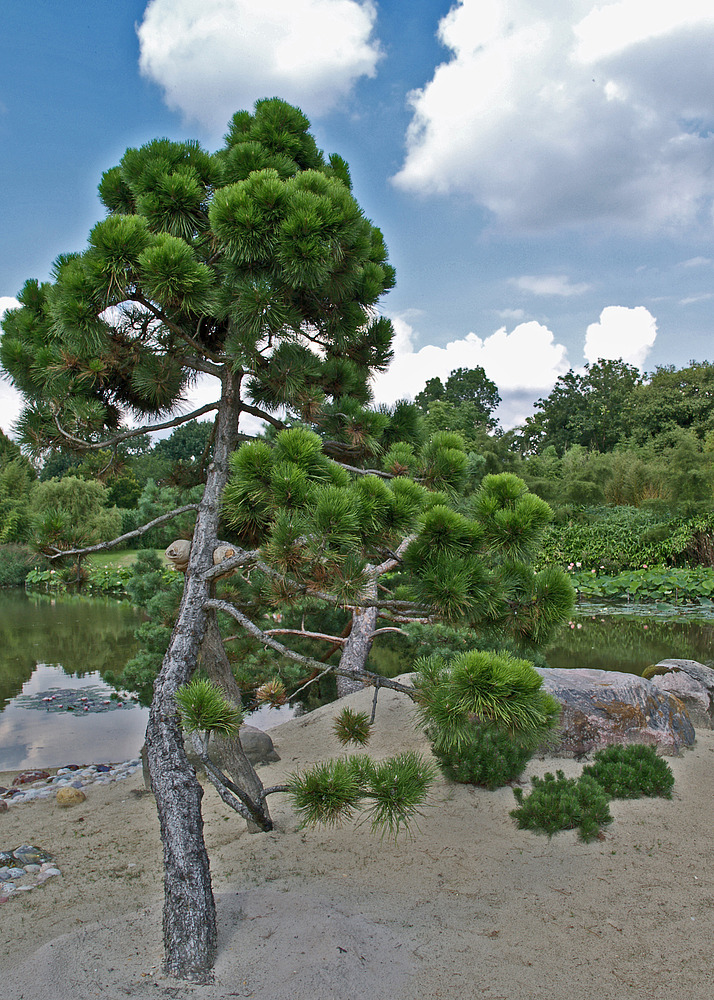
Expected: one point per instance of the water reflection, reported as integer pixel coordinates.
(48, 642)
(629, 643)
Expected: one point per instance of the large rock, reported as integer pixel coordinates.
(692, 683)
(601, 707)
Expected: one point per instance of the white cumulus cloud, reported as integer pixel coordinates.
(552, 114)
(621, 333)
(213, 57)
(10, 398)
(524, 364)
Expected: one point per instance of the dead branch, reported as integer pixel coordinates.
(101, 546)
(81, 445)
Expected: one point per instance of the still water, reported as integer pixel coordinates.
(56, 709)
(64, 645)
(628, 639)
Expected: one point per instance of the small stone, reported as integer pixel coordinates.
(32, 869)
(3, 806)
(28, 854)
(27, 777)
(69, 796)
(16, 872)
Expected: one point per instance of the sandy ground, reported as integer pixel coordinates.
(469, 907)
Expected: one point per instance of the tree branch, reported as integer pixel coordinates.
(135, 432)
(59, 553)
(336, 640)
(178, 330)
(262, 415)
(362, 675)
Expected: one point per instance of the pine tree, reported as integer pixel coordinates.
(254, 265)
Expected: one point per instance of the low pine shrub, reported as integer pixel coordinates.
(485, 713)
(630, 772)
(489, 757)
(560, 803)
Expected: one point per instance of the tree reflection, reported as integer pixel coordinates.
(79, 634)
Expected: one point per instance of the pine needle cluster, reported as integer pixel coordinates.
(204, 709)
(559, 803)
(631, 772)
(390, 791)
(484, 713)
(352, 727)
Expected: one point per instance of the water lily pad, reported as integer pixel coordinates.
(79, 701)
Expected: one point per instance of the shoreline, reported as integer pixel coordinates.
(468, 907)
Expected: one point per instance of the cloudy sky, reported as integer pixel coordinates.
(543, 171)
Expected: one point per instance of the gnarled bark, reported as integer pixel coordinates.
(189, 910)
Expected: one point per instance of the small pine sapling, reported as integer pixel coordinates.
(485, 714)
(630, 772)
(560, 803)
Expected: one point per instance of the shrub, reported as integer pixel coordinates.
(16, 561)
(630, 772)
(560, 803)
(489, 758)
(485, 714)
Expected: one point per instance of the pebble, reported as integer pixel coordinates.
(75, 775)
(23, 869)
(27, 866)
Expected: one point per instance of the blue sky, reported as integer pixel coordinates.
(543, 172)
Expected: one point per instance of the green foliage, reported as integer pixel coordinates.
(560, 803)
(489, 758)
(466, 389)
(16, 561)
(484, 713)
(391, 791)
(71, 511)
(478, 686)
(664, 584)
(621, 772)
(352, 727)
(593, 409)
(630, 772)
(628, 538)
(205, 709)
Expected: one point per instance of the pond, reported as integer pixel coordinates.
(628, 638)
(55, 707)
(62, 646)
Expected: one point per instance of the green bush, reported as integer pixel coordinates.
(489, 758)
(560, 803)
(630, 772)
(617, 772)
(16, 561)
(484, 713)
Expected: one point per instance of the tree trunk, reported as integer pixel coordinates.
(189, 909)
(233, 759)
(359, 642)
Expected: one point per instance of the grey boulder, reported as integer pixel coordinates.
(601, 707)
(692, 683)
